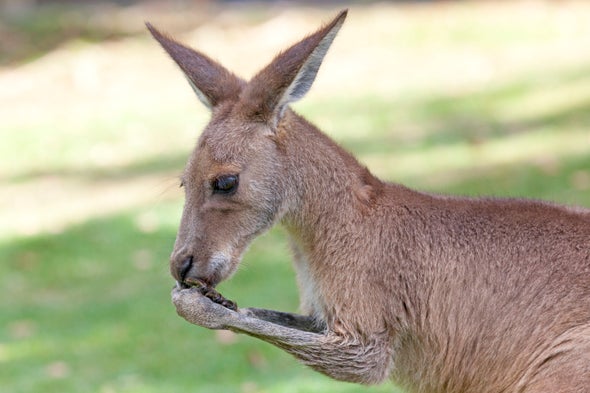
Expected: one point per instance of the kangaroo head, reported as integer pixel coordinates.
(234, 182)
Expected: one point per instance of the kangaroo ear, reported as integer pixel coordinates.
(290, 75)
(210, 80)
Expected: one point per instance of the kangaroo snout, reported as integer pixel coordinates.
(183, 268)
(211, 269)
(181, 262)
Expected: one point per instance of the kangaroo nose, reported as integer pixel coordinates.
(184, 268)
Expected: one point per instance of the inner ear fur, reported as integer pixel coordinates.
(211, 82)
(290, 75)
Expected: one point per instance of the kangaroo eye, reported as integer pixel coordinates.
(226, 184)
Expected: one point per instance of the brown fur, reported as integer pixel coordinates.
(442, 294)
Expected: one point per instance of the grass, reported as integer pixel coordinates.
(89, 199)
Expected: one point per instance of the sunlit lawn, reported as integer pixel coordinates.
(94, 135)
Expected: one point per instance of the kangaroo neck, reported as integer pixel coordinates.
(329, 186)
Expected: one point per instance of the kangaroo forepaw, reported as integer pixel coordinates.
(197, 308)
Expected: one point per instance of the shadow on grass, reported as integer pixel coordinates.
(29, 33)
(150, 166)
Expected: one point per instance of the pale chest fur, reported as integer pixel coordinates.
(311, 302)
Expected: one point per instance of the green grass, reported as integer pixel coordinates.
(90, 205)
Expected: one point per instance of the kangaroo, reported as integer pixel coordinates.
(437, 293)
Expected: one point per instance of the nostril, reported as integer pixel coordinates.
(185, 266)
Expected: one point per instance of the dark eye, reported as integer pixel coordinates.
(226, 184)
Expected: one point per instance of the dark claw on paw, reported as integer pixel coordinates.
(211, 293)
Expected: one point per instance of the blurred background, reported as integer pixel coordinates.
(96, 122)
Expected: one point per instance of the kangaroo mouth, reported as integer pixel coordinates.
(209, 291)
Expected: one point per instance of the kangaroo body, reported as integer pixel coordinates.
(442, 294)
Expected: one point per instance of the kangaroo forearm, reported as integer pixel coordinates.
(295, 321)
(347, 360)
(248, 322)
(196, 308)
(339, 356)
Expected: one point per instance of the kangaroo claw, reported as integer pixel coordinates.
(206, 290)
